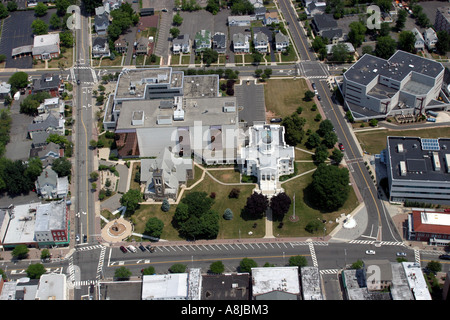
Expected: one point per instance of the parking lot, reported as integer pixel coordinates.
(17, 32)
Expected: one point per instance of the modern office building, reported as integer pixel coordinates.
(403, 84)
(442, 21)
(418, 169)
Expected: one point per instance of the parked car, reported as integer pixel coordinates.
(85, 238)
(77, 238)
(341, 147)
(123, 249)
(150, 248)
(142, 248)
(131, 248)
(319, 98)
(401, 254)
(313, 86)
(444, 256)
(78, 82)
(276, 120)
(370, 252)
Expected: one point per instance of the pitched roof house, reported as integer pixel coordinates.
(261, 42)
(430, 38)
(50, 186)
(182, 44)
(241, 43)
(202, 40)
(48, 82)
(46, 46)
(281, 41)
(101, 23)
(219, 42)
(100, 47)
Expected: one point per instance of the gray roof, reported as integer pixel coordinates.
(99, 41)
(324, 21)
(220, 40)
(182, 39)
(101, 20)
(333, 33)
(46, 82)
(397, 67)
(50, 122)
(419, 163)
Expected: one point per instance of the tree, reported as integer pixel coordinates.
(228, 214)
(422, 20)
(35, 270)
(385, 47)
(209, 56)
(367, 50)
(177, 20)
(217, 267)
(406, 41)
(66, 39)
(213, 6)
(55, 21)
(45, 254)
(443, 43)
(384, 30)
(165, 206)
(257, 58)
(325, 127)
(178, 268)
(313, 226)
(330, 139)
(94, 175)
(247, 264)
(20, 251)
(434, 266)
(320, 154)
(90, 5)
(329, 188)
(122, 274)
(131, 200)
(256, 205)
(339, 53)
(234, 193)
(41, 9)
(293, 129)
(336, 156)
(401, 19)
(154, 227)
(18, 81)
(11, 6)
(3, 11)
(280, 205)
(313, 140)
(39, 27)
(357, 33)
(298, 261)
(174, 32)
(148, 271)
(309, 95)
(62, 166)
(181, 213)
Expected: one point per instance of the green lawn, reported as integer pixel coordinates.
(306, 213)
(374, 141)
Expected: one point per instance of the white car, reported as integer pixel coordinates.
(401, 254)
(370, 252)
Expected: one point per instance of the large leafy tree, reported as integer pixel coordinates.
(35, 270)
(293, 129)
(406, 41)
(131, 200)
(247, 264)
(154, 227)
(443, 43)
(385, 47)
(256, 205)
(280, 205)
(329, 188)
(39, 27)
(357, 33)
(62, 166)
(122, 274)
(18, 81)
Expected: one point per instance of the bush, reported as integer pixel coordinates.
(234, 193)
(165, 205)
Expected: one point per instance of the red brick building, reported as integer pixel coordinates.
(430, 226)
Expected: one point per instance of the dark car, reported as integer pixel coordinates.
(276, 120)
(444, 256)
(150, 248)
(313, 86)
(319, 98)
(123, 249)
(78, 82)
(142, 248)
(85, 238)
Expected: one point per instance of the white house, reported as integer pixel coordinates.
(239, 21)
(420, 42)
(281, 42)
(182, 44)
(241, 43)
(261, 42)
(430, 38)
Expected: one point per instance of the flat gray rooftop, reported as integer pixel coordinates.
(419, 162)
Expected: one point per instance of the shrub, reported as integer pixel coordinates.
(228, 214)
(234, 193)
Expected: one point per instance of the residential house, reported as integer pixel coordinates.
(48, 82)
(101, 23)
(315, 7)
(121, 44)
(271, 17)
(49, 123)
(5, 90)
(40, 139)
(101, 10)
(219, 42)
(257, 3)
(281, 42)
(202, 40)
(350, 48)
(261, 42)
(141, 45)
(47, 153)
(420, 42)
(259, 14)
(239, 21)
(430, 38)
(54, 105)
(182, 44)
(100, 47)
(50, 186)
(241, 43)
(326, 26)
(46, 46)
(112, 4)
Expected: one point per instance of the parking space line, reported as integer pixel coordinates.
(232, 247)
(218, 247)
(225, 247)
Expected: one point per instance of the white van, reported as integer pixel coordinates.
(132, 248)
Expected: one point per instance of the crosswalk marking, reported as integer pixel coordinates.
(417, 256)
(313, 254)
(329, 271)
(85, 283)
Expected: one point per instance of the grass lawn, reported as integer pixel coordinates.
(306, 213)
(284, 96)
(226, 176)
(375, 141)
